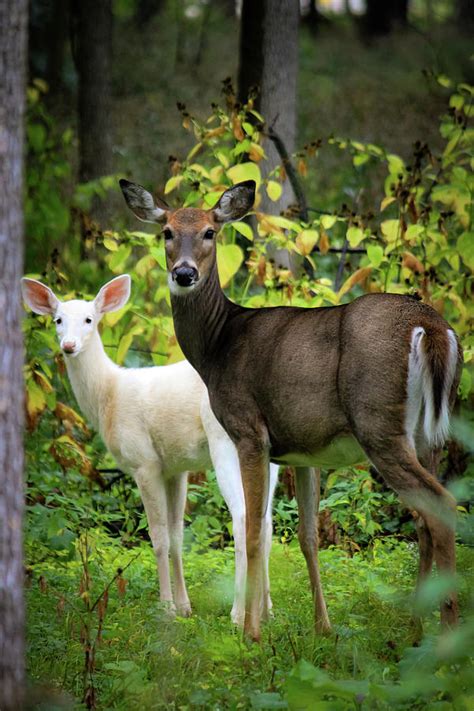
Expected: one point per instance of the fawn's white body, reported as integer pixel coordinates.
(158, 424)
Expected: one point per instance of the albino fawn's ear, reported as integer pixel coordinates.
(235, 202)
(142, 203)
(38, 296)
(113, 295)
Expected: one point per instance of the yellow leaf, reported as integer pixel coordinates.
(110, 244)
(244, 171)
(386, 202)
(173, 183)
(244, 229)
(274, 190)
(356, 278)
(410, 262)
(324, 242)
(306, 241)
(229, 260)
(354, 236)
(391, 230)
(256, 152)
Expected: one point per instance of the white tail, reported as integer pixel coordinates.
(158, 424)
(421, 411)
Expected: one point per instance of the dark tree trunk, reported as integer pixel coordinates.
(58, 35)
(251, 48)
(382, 16)
(93, 52)
(146, 10)
(465, 14)
(13, 40)
(269, 61)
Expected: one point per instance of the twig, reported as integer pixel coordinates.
(111, 582)
(290, 171)
(340, 268)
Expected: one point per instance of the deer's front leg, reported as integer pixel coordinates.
(177, 489)
(154, 496)
(254, 466)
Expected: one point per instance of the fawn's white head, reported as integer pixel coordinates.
(76, 320)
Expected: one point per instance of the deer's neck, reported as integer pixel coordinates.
(92, 375)
(199, 318)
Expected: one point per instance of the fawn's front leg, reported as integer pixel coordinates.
(154, 496)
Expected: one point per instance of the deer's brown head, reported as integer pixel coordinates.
(189, 233)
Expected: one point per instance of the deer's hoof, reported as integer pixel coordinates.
(184, 609)
(237, 616)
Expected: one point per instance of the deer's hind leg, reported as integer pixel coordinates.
(308, 486)
(398, 463)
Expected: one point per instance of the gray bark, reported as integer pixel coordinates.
(13, 23)
(278, 85)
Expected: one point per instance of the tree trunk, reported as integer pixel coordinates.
(251, 48)
(381, 17)
(465, 14)
(94, 62)
(58, 34)
(269, 60)
(13, 41)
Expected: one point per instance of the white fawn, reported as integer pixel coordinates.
(374, 379)
(158, 425)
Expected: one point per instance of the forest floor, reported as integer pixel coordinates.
(147, 661)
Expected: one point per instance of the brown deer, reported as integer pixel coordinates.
(373, 380)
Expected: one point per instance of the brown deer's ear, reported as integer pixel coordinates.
(142, 203)
(236, 202)
(38, 296)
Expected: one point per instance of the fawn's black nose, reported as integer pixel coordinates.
(185, 275)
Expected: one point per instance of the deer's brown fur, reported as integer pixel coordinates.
(317, 387)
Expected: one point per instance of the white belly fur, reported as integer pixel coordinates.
(341, 452)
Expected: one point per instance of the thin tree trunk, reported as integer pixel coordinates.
(94, 63)
(13, 41)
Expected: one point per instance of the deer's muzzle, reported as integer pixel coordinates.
(185, 275)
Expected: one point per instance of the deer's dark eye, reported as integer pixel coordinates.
(58, 321)
(209, 234)
(88, 319)
(167, 234)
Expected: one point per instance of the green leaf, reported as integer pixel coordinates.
(375, 254)
(390, 230)
(328, 221)
(245, 171)
(243, 228)
(355, 235)
(360, 159)
(465, 384)
(173, 183)
(274, 190)
(229, 259)
(465, 245)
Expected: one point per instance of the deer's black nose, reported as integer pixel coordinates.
(185, 276)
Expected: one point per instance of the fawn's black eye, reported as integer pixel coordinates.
(167, 234)
(58, 321)
(88, 319)
(209, 234)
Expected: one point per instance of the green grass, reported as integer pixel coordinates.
(147, 661)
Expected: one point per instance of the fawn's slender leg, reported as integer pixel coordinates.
(177, 490)
(308, 484)
(254, 465)
(154, 496)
